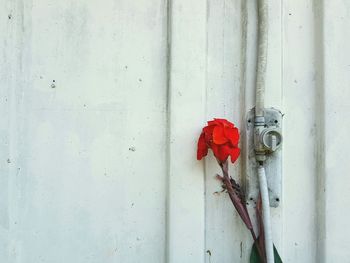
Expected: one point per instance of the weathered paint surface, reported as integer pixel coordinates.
(83, 131)
(101, 104)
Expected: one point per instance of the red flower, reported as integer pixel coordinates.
(222, 137)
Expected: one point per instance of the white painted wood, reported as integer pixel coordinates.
(187, 90)
(83, 86)
(231, 84)
(101, 105)
(227, 239)
(334, 105)
(299, 104)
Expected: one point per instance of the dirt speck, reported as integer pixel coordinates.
(132, 148)
(209, 252)
(241, 249)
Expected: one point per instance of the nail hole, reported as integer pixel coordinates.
(276, 121)
(251, 199)
(249, 121)
(277, 199)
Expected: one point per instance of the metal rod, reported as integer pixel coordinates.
(262, 57)
(266, 214)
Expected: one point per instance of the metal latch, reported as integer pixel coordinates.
(270, 138)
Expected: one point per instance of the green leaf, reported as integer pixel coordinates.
(277, 256)
(255, 257)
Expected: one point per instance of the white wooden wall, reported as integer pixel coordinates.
(101, 104)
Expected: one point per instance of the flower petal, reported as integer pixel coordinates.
(222, 152)
(224, 123)
(234, 154)
(213, 122)
(219, 135)
(215, 149)
(232, 134)
(202, 149)
(208, 131)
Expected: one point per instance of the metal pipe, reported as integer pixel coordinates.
(260, 152)
(262, 57)
(266, 214)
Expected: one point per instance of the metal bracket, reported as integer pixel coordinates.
(273, 163)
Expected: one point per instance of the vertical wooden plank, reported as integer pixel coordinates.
(336, 185)
(227, 239)
(300, 124)
(87, 130)
(11, 80)
(187, 89)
